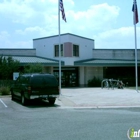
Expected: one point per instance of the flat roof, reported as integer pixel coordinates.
(64, 35)
(17, 49)
(114, 49)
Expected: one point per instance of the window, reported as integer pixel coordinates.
(56, 50)
(75, 50)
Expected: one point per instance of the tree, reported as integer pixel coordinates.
(33, 68)
(7, 66)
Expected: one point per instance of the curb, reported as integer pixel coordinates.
(99, 107)
(4, 96)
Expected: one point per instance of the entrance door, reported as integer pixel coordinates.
(69, 77)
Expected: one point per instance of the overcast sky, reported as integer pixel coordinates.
(108, 22)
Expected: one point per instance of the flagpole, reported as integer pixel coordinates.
(135, 32)
(136, 67)
(59, 47)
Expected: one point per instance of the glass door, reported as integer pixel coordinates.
(69, 78)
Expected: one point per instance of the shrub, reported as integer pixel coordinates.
(7, 66)
(95, 82)
(6, 83)
(4, 90)
(33, 68)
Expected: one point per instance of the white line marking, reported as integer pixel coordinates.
(3, 103)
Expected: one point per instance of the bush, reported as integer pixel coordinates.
(33, 68)
(95, 82)
(6, 83)
(7, 66)
(4, 90)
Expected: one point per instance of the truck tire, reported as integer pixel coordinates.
(51, 101)
(12, 96)
(23, 100)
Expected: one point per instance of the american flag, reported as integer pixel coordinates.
(62, 10)
(135, 10)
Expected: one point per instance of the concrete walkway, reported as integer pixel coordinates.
(98, 98)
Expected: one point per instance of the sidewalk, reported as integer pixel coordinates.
(98, 98)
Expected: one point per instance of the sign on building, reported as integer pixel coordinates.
(15, 75)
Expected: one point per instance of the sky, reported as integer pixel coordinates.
(108, 22)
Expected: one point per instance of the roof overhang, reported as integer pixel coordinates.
(106, 62)
(24, 60)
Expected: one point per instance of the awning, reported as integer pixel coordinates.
(106, 62)
(24, 60)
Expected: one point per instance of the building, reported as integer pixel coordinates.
(79, 59)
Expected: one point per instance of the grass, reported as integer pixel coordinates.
(4, 90)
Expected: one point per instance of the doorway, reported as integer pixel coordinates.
(69, 76)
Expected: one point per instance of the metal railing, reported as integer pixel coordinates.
(112, 83)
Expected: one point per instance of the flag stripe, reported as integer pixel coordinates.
(62, 10)
(135, 10)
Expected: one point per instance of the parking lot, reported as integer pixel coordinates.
(86, 98)
(75, 108)
(97, 109)
(32, 122)
(100, 98)
(7, 103)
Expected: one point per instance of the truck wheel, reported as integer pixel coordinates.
(23, 100)
(12, 95)
(51, 101)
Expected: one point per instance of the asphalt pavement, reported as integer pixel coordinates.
(95, 98)
(98, 98)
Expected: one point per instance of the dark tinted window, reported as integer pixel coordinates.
(75, 50)
(22, 80)
(42, 80)
(56, 50)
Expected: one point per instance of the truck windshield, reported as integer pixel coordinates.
(42, 80)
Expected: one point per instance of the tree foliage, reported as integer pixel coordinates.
(33, 68)
(7, 66)
(95, 82)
